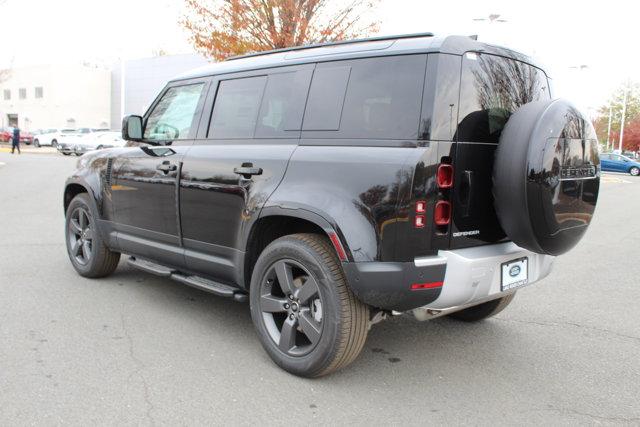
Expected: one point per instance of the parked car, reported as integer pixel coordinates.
(52, 137)
(332, 186)
(26, 137)
(618, 163)
(97, 141)
(6, 134)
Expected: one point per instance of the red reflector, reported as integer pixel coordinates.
(338, 246)
(442, 213)
(419, 286)
(421, 206)
(444, 178)
(419, 221)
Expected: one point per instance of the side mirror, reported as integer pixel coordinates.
(132, 128)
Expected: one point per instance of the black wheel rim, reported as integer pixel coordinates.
(80, 235)
(292, 308)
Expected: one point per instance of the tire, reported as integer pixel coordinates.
(545, 176)
(54, 143)
(100, 147)
(65, 154)
(336, 322)
(86, 249)
(484, 310)
(634, 171)
(36, 143)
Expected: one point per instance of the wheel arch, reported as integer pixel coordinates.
(276, 222)
(70, 191)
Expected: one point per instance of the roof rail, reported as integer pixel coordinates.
(338, 43)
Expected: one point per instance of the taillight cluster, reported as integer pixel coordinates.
(442, 209)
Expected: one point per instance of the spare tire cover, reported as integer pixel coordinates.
(546, 176)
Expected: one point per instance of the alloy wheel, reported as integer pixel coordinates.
(80, 235)
(291, 307)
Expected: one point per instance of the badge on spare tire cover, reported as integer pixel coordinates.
(546, 176)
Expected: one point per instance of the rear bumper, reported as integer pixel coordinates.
(467, 277)
(474, 274)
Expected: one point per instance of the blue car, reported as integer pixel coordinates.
(616, 163)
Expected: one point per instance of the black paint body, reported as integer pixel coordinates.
(199, 216)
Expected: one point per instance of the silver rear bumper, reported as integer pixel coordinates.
(473, 276)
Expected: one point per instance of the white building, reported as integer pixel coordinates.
(143, 79)
(54, 96)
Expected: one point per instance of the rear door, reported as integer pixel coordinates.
(144, 182)
(250, 131)
(492, 88)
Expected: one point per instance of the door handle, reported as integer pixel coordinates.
(247, 170)
(166, 167)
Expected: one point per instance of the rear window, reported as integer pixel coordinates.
(492, 88)
(374, 98)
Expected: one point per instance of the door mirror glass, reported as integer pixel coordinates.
(132, 128)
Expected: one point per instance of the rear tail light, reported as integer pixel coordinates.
(421, 206)
(419, 221)
(442, 213)
(444, 177)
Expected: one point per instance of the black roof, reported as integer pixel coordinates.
(350, 49)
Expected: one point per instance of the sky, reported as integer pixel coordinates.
(564, 36)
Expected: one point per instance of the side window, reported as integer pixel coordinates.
(326, 97)
(172, 117)
(236, 108)
(283, 105)
(493, 88)
(374, 98)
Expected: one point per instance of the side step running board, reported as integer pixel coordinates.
(211, 286)
(150, 267)
(201, 283)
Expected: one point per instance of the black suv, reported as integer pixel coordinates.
(332, 185)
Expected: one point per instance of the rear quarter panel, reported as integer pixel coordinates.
(356, 189)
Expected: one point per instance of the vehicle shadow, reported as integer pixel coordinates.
(429, 347)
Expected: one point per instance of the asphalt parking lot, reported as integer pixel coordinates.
(135, 349)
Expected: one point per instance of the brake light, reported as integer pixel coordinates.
(444, 177)
(419, 221)
(421, 206)
(442, 213)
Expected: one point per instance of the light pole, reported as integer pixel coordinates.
(609, 127)
(624, 114)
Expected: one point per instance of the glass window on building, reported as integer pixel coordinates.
(7, 94)
(22, 93)
(38, 92)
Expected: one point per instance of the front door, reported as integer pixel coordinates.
(241, 157)
(144, 184)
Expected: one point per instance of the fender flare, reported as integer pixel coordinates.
(307, 213)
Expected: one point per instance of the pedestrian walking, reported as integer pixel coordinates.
(15, 142)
